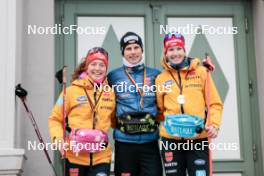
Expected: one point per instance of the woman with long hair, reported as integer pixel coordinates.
(89, 112)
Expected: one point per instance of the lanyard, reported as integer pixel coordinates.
(179, 84)
(141, 93)
(180, 98)
(95, 104)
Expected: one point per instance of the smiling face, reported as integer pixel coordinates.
(175, 54)
(133, 53)
(96, 69)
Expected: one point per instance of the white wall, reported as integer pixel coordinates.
(35, 71)
(7, 68)
(11, 156)
(258, 15)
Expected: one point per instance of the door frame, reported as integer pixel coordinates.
(241, 7)
(252, 77)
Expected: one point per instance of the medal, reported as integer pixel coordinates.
(180, 99)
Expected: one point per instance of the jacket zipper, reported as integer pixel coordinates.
(94, 121)
(180, 82)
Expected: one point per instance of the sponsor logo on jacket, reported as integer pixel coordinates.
(81, 99)
(168, 83)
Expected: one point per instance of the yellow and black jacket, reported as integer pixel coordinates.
(192, 80)
(80, 115)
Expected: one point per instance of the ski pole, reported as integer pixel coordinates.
(22, 94)
(61, 76)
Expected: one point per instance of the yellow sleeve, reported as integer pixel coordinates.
(55, 120)
(216, 105)
(160, 99)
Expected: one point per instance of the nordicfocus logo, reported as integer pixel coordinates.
(72, 145)
(192, 145)
(126, 87)
(66, 30)
(201, 29)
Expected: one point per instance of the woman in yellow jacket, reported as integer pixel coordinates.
(89, 110)
(185, 132)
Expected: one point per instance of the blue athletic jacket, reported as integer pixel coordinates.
(128, 99)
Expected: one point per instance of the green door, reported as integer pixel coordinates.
(105, 24)
(217, 29)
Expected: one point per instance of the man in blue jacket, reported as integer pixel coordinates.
(136, 133)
